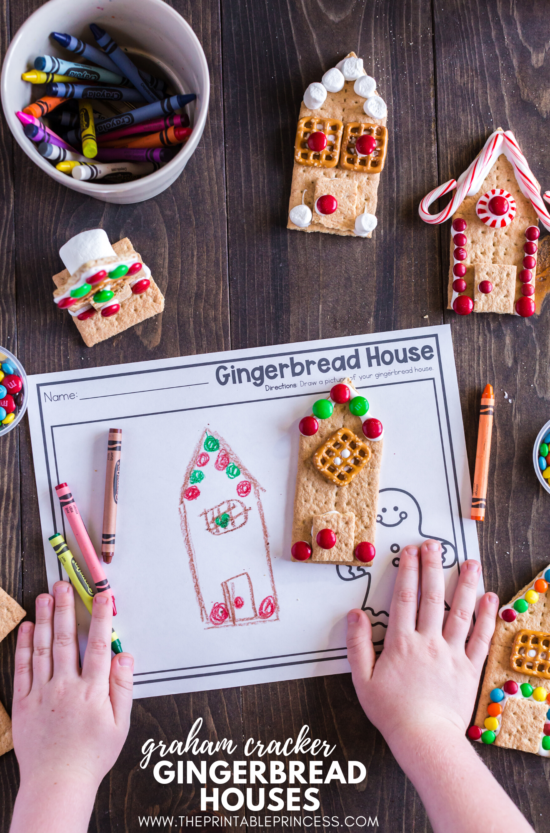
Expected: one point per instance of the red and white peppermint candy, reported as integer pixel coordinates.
(496, 208)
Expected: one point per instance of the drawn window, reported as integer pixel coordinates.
(226, 516)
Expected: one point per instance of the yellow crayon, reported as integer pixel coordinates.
(66, 167)
(36, 77)
(87, 128)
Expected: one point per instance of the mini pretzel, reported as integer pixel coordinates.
(336, 448)
(531, 654)
(374, 162)
(327, 158)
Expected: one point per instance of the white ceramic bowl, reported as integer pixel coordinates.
(6, 356)
(149, 29)
(541, 435)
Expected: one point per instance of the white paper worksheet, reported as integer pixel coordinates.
(206, 593)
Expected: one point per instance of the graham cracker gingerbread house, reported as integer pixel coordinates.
(340, 150)
(104, 288)
(337, 481)
(495, 213)
(225, 534)
(514, 705)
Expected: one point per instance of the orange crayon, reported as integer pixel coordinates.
(479, 493)
(43, 106)
(166, 138)
(110, 506)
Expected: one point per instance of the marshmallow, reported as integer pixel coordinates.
(333, 80)
(300, 215)
(375, 107)
(364, 224)
(351, 68)
(83, 247)
(364, 86)
(314, 96)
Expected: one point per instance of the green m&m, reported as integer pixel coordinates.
(521, 606)
(526, 689)
(488, 737)
(80, 291)
(103, 295)
(546, 743)
(359, 406)
(119, 272)
(323, 408)
(543, 450)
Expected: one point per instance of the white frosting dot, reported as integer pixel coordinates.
(314, 96)
(300, 215)
(364, 86)
(375, 107)
(351, 68)
(346, 453)
(333, 80)
(364, 224)
(337, 461)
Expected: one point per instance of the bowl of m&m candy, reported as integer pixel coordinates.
(13, 391)
(541, 456)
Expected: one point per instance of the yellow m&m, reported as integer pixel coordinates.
(8, 419)
(531, 596)
(540, 694)
(491, 723)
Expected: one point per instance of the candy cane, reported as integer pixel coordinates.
(468, 182)
(525, 178)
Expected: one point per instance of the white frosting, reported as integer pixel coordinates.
(315, 96)
(88, 245)
(75, 313)
(364, 86)
(333, 80)
(375, 107)
(300, 215)
(364, 224)
(351, 68)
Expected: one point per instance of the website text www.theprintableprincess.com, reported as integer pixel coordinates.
(259, 824)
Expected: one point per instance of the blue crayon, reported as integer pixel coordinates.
(141, 114)
(98, 93)
(96, 56)
(56, 154)
(40, 133)
(83, 72)
(125, 65)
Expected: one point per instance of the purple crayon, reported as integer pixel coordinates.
(153, 126)
(39, 133)
(161, 155)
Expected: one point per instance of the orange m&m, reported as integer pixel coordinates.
(541, 586)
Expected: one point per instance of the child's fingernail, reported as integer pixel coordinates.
(473, 566)
(43, 601)
(412, 551)
(63, 587)
(26, 627)
(353, 617)
(434, 546)
(492, 598)
(101, 599)
(128, 662)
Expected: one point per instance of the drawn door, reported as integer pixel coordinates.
(239, 598)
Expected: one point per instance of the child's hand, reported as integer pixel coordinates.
(69, 725)
(425, 681)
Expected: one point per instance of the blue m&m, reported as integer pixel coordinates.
(497, 695)
(8, 368)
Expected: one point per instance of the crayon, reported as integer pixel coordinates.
(78, 580)
(152, 126)
(145, 113)
(166, 138)
(67, 119)
(96, 56)
(84, 91)
(110, 504)
(43, 106)
(35, 77)
(89, 172)
(87, 129)
(57, 154)
(125, 65)
(84, 72)
(39, 133)
(67, 166)
(162, 155)
(479, 492)
(70, 510)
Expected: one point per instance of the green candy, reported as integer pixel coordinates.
(222, 520)
(488, 737)
(211, 443)
(103, 295)
(521, 606)
(119, 272)
(546, 742)
(196, 476)
(323, 408)
(526, 689)
(232, 471)
(543, 450)
(80, 291)
(358, 406)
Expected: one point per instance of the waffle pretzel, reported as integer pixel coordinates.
(327, 158)
(531, 654)
(371, 164)
(341, 473)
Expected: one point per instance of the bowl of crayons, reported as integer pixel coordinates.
(541, 456)
(13, 391)
(110, 101)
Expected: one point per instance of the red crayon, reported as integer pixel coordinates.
(174, 120)
(76, 523)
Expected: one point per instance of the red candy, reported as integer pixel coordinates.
(301, 551)
(474, 733)
(460, 239)
(486, 287)
(459, 285)
(511, 687)
(546, 729)
(191, 493)
(238, 601)
(499, 206)
(525, 276)
(67, 302)
(141, 286)
(8, 404)
(460, 253)
(372, 428)
(108, 311)
(308, 426)
(222, 460)
(219, 614)
(463, 305)
(340, 394)
(13, 384)
(525, 307)
(526, 289)
(99, 276)
(327, 204)
(529, 262)
(88, 313)
(317, 141)
(364, 552)
(530, 248)
(532, 233)
(134, 268)
(459, 270)
(202, 459)
(244, 488)
(365, 144)
(326, 539)
(459, 225)
(509, 615)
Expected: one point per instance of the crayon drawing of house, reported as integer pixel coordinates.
(225, 534)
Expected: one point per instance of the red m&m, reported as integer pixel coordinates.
(108, 311)
(529, 262)
(326, 539)
(532, 233)
(99, 276)
(460, 239)
(463, 305)
(308, 426)
(66, 303)
(364, 552)
(301, 551)
(141, 286)
(459, 285)
(459, 270)
(8, 404)
(527, 289)
(460, 253)
(485, 287)
(372, 428)
(530, 248)
(498, 205)
(511, 687)
(135, 268)
(525, 276)
(88, 313)
(474, 733)
(365, 145)
(340, 394)
(508, 615)
(317, 141)
(327, 204)
(12, 383)
(525, 307)
(459, 224)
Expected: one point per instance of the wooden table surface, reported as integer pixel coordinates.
(234, 277)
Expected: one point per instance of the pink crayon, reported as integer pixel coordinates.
(70, 510)
(152, 126)
(26, 118)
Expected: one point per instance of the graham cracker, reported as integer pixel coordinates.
(522, 724)
(136, 309)
(346, 106)
(343, 526)
(11, 614)
(503, 278)
(490, 246)
(6, 740)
